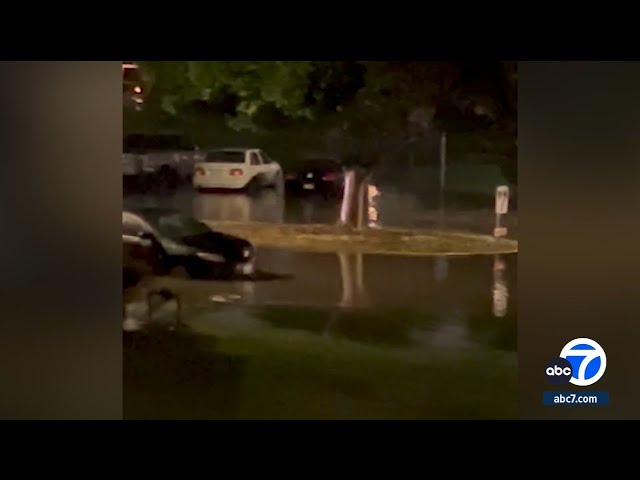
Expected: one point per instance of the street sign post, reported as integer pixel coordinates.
(502, 207)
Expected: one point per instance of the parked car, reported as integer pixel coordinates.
(169, 239)
(236, 169)
(158, 160)
(321, 175)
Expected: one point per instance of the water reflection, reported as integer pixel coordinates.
(354, 293)
(443, 315)
(375, 299)
(500, 288)
(312, 209)
(386, 207)
(267, 206)
(439, 285)
(440, 269)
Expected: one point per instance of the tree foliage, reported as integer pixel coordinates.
(377, 106)
(254, 85)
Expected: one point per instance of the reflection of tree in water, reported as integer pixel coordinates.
(354, 317)
(350, 318)
(354, 293)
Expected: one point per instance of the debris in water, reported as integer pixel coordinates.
(218, 298)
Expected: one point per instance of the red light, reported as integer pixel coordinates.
(329, 177)
(199, 171)
(235, 172)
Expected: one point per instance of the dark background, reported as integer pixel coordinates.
(60, 144)
(60, 204)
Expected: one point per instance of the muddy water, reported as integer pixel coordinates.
(461, 295)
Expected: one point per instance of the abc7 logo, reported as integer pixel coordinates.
(559, 371)
(582, 362)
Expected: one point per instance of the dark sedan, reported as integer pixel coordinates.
(172, 239)
(321, 175)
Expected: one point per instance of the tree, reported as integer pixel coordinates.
(254, 86)
(393, 108)
(366, 111)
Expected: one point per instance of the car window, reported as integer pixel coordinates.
(224, 156)
(177, 226)
(265, 158)
(253, 157)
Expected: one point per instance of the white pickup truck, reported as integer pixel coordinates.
(158, 160)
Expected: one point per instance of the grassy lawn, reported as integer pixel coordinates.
(243, 368)
(330, 238)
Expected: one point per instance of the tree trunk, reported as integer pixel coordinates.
(354, 206)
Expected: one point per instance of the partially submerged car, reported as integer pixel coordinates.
(171, 239)
(158, 160)
(236, 169)
(317, 175)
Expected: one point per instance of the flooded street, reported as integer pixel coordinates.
(347, 336)
(393, 208)
(458, 286)
(329, 335)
